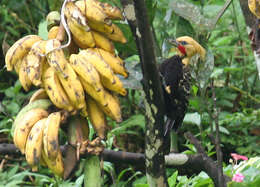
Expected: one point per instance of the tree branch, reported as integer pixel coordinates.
(186, 164)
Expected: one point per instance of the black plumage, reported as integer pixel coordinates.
(177, 77)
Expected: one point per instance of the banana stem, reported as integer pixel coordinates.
(174, 142)
(92, 172)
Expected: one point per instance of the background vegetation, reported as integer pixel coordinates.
(235, 78)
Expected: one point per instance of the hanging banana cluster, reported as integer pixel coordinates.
(81, 78)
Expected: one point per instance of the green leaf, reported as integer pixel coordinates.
(42, 31)
(173, 179)
(224, 40)
(135, 120)
(193, 118)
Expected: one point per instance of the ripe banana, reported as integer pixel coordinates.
(97, 118)
(117, 86)
(39, 94)
(19, 49)
(41, 103)
(100, 27)
(51, 135)
(72, 48)
(78, 130)
(73, 88)
(56, 166)
(84, 111)
(254, 7)
(55, 56)
(111, 11)
(117, 35)
(23, 127)
(53, 32)
(86, 71)
(102, 42)
(98, 62)
(33, 147)
(81, 37)
(55, 91)
(18, 65)
(73, 12)
(112, 109)
(99, 96)
(116, 64)
(34, 62)
(93, 12)
(89, 78)
(23, 76)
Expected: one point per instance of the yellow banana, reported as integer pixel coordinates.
(41, 103)
(120, 61)
(34, 62)
(89, 77)
(73, 88)
(55, 91)
(73, 12)
(100, 27)
(112, 109)
(254, 7)
(45, 66)
(84, 111)
(55, 56)
(53, 32)
(98, 62)
(23, 127)
(51, 135)
(23, 76)
(111, 11)
(19, 49)
(117, 86)
(33, 147)
(117, 35)
(72, 48)
(81, 37)
(39, 94)
(99, 96)
(102, 42)
(97, 118)
(86, 71)
(18, 65)
(116, 64)
(93, 12)
(56, 166)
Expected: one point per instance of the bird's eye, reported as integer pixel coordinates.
(183, 42)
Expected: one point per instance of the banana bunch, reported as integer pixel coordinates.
(80, 79)
(36, 134)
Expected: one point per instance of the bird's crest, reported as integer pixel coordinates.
(191, 46)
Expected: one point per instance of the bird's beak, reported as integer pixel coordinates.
(173, 42)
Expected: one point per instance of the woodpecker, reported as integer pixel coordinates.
(176, 77)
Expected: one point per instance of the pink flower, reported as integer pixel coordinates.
(237, 157)
(238, 177)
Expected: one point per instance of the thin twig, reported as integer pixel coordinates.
(217, 139)
(222, 11)
(245, 93)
